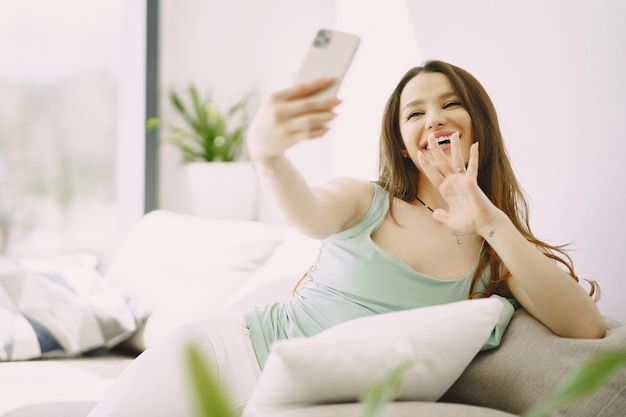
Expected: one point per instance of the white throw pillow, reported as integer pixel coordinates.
(60, 307)
(183, 267)
(341, 363)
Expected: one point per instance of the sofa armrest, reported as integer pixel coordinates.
(532, 363)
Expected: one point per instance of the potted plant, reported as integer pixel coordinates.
(221, 180)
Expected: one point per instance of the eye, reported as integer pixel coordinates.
(414, 114)
(451, 104)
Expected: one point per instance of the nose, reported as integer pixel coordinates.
(435, 118)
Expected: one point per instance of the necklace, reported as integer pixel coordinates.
(425, 205)
(458, 235)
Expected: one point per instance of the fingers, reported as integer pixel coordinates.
(452, 164)
(289, 116)
(316, 122)
(457, 159)
(310, 134)
(301, 99)
(439, 158)
(472, 164)
(438, 167)
(305, 89)
(431, 171)
(301, 116)
(285, 110)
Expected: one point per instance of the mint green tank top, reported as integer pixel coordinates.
(353, 277)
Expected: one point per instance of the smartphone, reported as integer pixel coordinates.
(330, 55)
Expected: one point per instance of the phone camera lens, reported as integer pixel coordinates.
(322, 39)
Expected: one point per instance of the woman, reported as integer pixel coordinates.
(445, 221)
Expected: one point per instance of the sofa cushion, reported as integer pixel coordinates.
(183, 267)
(60, 309)
(341, 363)
(530, 365)
(54, 409)
(397, 409)
(71, 386)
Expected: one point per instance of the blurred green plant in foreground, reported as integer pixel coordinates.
(212, 402)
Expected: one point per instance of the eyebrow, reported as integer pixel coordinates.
(419, 101)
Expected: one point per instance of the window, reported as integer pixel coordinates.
(59, 112)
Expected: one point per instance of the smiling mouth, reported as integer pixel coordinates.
(441, 140)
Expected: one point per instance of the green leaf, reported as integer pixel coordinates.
(588, 378)
(211, 400)
(153, 123)
(209, 134)
(199, 109)
(384, 391)
(177, 103)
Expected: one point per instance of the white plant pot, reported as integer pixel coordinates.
(223, 190)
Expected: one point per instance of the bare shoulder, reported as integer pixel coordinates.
(356, 194)
(352, 188)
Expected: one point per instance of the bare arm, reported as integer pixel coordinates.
(545, 290)
(316, 211)
(288, 117)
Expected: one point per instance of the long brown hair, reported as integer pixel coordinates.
(495, 176)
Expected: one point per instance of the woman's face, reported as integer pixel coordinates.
(429, 105)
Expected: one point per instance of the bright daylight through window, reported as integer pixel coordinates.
(58, 110)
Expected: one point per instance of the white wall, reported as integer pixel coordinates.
(554, 70)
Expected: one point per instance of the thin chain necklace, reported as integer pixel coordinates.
(425, 205)
(458, 235)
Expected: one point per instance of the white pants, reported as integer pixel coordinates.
(158, 382)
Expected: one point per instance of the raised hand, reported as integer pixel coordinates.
(288, 117)
(469, 209)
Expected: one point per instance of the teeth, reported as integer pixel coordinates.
(441, 140)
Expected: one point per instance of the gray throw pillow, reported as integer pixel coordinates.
(532, 363)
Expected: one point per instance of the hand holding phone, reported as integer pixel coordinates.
(330, 55)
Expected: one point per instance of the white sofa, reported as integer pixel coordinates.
(181, 267)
